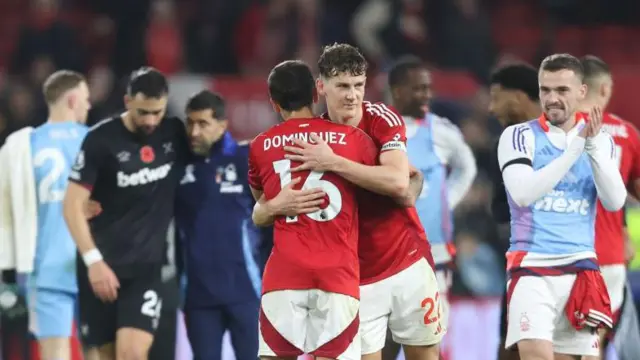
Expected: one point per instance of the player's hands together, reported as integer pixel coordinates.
(291, 202)
(594, 123)
(316, 157)
(103, 281)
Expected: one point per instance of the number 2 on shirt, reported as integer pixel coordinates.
(47, 191)
(283, 169)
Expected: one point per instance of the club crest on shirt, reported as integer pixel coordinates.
(189, 176)
(124, 156)
(525, 324)
(226, 176)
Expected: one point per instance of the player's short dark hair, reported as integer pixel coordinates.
(149, 82)
(594, 66)
(339, 59)
(557, 62)
(519, 76)
(401, 68)
(291, 85)
(205, 100)
(59, 83)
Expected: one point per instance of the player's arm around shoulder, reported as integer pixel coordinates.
(391, 176)
(610, 186)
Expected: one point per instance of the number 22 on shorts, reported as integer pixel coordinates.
(283, 169)
(430, 304)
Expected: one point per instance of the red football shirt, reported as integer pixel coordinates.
(317, 250)
(609, 225)
(391, 237)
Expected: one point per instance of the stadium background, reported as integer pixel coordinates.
(229, 46)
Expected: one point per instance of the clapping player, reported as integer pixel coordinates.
(554, 169)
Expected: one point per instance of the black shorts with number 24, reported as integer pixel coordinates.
(139, 305)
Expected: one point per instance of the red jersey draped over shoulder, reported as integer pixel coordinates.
(391, 237)
(317, 250)
(609, 225)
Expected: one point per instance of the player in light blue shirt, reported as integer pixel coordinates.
(554, 169)
(52, 288)
(433, 145)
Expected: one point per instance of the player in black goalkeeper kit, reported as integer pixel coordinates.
(131, 165)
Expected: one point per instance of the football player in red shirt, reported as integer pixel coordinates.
(613, 246)
(398, 289)
(310, 295)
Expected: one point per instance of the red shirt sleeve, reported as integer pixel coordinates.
(634, 142)
(387, 127)
(255, 181)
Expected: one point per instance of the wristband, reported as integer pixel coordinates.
(91, 257)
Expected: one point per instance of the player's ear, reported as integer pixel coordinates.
(395, 92)
(520, 96)
(72, 100)
(224, 124)
(603, 90)
(583, 91)
(320, 87)
(127, 100)
(275, 106)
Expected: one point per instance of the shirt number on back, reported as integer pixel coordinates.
(47, 192)
(283, 169)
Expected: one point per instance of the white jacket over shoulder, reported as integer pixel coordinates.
(18, 209)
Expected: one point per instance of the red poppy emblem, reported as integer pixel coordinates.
(147, 155)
